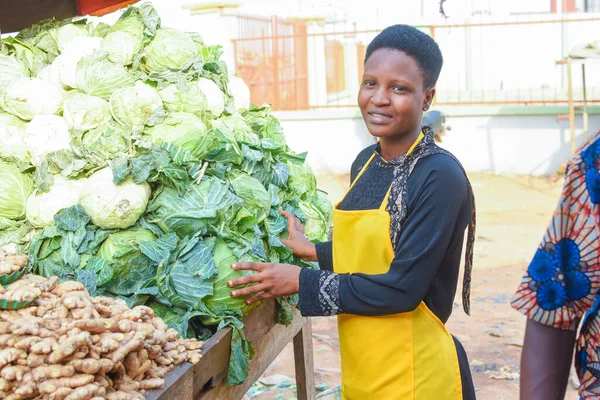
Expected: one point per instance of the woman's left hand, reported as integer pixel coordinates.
(271, 280)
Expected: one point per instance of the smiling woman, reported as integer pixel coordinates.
(390, 271)
(392, 98)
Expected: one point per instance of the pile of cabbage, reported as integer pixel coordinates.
(132, 161)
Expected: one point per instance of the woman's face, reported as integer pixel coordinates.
(392, 94)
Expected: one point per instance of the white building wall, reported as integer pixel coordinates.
(531, 145)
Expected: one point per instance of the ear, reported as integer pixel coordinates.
(429, 95)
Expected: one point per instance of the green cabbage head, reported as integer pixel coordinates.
(125, 39)
(129, 267)
(12, 144)
(84, 112)
(15, 188)
(42, 207)
(170, 50)
(256, 198)
(214, 96)
(191, 99)
(132, 106)
(182, 129)
(221, 299)
(27, 98)
(113, 206)
(316, 227)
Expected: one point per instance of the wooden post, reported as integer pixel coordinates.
(275, 63)
(304, 364)
(571, 105)
(585, 108)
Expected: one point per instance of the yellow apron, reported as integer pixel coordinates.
(406, 356)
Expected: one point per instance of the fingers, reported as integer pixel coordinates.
(249, 266)
(259, 297)
(290, 217)
(248, 290)
(244, 280)
(286, 214)
(293, 222)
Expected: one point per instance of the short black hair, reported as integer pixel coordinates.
(414, 43)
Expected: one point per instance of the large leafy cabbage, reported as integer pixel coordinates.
(15, 188)
(189, 99)
(220, 303)
(29, 97)
(69, 33)
(114, 206)
(170, 50)
(12, 144)
(42, 207)
(102, 144)
(46, 134)
(214, 96)
(128, 269)
(125, 39)
(84, 112)
(203, 208)
(10, 70)
(68, 60)
(254, 195)
(98, 76)
(182, 129)
(132, 106)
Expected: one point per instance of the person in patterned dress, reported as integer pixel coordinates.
(559, 292)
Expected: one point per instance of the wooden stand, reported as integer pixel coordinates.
(206, 380)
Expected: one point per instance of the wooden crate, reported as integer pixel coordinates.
(206, 380)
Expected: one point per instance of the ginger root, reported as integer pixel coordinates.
(70, 346)
(9, 355)
(13, 372)
(52, 385)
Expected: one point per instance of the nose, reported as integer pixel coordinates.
(380, 98)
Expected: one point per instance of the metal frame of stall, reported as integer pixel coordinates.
(569, 62)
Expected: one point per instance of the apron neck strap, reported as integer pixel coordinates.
(416, 142)
(362, 170)
(410, 150)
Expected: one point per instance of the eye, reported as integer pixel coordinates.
(369, 83)
(399, 89)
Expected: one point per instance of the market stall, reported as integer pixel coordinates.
(134, 168)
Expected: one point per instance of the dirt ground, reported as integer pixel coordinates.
(513, 213)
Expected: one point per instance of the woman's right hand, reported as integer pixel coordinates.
(297, 242)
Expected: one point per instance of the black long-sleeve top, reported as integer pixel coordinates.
(427, 256)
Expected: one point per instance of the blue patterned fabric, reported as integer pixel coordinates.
(563, 279)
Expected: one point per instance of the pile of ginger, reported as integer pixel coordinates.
(10, 263)
(68, 345)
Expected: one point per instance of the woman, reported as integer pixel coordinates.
(559, 291)
(390, 273)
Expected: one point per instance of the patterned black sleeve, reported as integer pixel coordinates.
(325, 255)
(319, 293)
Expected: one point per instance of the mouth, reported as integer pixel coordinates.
(379, 118)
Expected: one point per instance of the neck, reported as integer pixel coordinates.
(392, 147)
